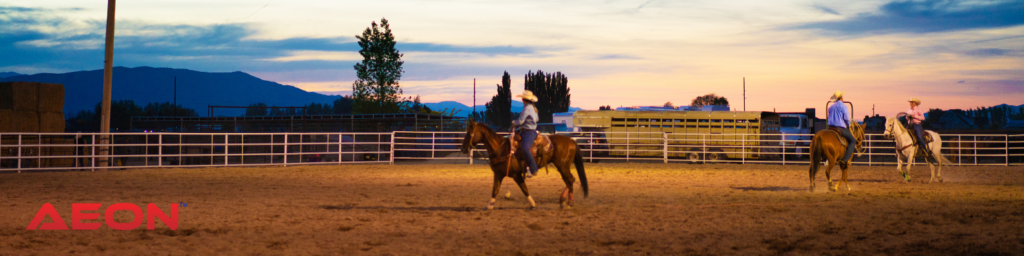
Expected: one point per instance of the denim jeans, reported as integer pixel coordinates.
(528, 137)
(851, 143)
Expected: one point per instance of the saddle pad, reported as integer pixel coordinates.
(542, 139)
(839, 135)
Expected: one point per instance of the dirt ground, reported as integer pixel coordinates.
(633, 209)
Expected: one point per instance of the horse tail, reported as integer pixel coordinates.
(579, 169)
(938, 153)
(816, 153)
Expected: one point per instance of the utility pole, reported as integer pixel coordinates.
(474, 97)
(744, 93)
(108, 77)
(175, 107)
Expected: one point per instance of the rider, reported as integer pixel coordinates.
(839, 117)
(914, 118)
(527, 123)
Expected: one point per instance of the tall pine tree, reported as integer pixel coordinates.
(499, 109)
(376, 90)
(552, 92)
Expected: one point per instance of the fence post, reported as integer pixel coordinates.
(975, 149)
(93, 151)
(1006, 149)
(391, 158)
(704, 148)
(286, 149)
(225, 149)
(784, 149)
(743, 149)
(19, 153)
(664, 141)
(159, 150)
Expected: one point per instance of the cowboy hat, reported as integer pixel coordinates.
(915, 100)
(528, 95)
(837, 95)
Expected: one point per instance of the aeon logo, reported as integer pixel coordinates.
(77, 216)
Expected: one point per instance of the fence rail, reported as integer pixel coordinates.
(63, 151)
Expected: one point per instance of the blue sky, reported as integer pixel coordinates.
(951, 54)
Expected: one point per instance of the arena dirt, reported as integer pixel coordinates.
(633, 209)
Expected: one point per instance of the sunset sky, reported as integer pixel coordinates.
(794, 54)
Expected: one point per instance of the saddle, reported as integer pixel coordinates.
(541, 143)
(921, 152)
(927, 136)
(839, 135)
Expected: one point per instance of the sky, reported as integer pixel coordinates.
(793, 54)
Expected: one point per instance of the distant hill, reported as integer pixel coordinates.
(196, 90)
(516, 107)
(8, 74)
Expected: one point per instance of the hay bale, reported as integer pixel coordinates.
(51, 121)
(19, 96)
(51, 98)
(26, 121)
(6, 120)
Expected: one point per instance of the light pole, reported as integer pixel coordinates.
(108, 76)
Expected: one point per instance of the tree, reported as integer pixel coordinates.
(606, 107)
(709, 100)
(552, 92)
(499, 110)
(121, 113)
(931, 119)
(256, 109)
(377, 90)
(343, 105)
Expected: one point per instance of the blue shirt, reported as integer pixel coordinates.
(838, 115)
(528, 118)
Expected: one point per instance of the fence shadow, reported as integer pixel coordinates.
(771, 189)
(396, 208)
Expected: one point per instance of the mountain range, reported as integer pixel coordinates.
(196, 90)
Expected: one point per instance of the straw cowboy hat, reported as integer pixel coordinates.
(837, 95)
(528, 95)
(915, 100)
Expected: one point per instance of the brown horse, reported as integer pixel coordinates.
(504, 165)
(826, 145)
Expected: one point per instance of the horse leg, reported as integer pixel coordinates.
(931, 167)
(497, 187)
(522, 185)
(828, 173)
(910, 163)
(566, 200)
(899, 166)
(844, 179)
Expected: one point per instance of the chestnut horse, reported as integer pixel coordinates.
(826, 145)
(563, 153)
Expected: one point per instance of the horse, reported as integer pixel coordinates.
(826, 145)
(504, 164)
(906, 149)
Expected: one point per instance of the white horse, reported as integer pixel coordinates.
(906, 149)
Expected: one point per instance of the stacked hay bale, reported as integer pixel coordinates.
(28, 107)
(31, 107)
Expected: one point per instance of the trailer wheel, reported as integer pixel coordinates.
(715, 155)
(693, 157)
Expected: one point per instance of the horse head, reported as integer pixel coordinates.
(471, 137)
(890, 129)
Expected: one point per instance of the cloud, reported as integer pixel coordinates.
(41, 38)
(825, 9)
(987, 52)
(928, 16)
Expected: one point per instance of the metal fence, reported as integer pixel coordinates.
(64, 151)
